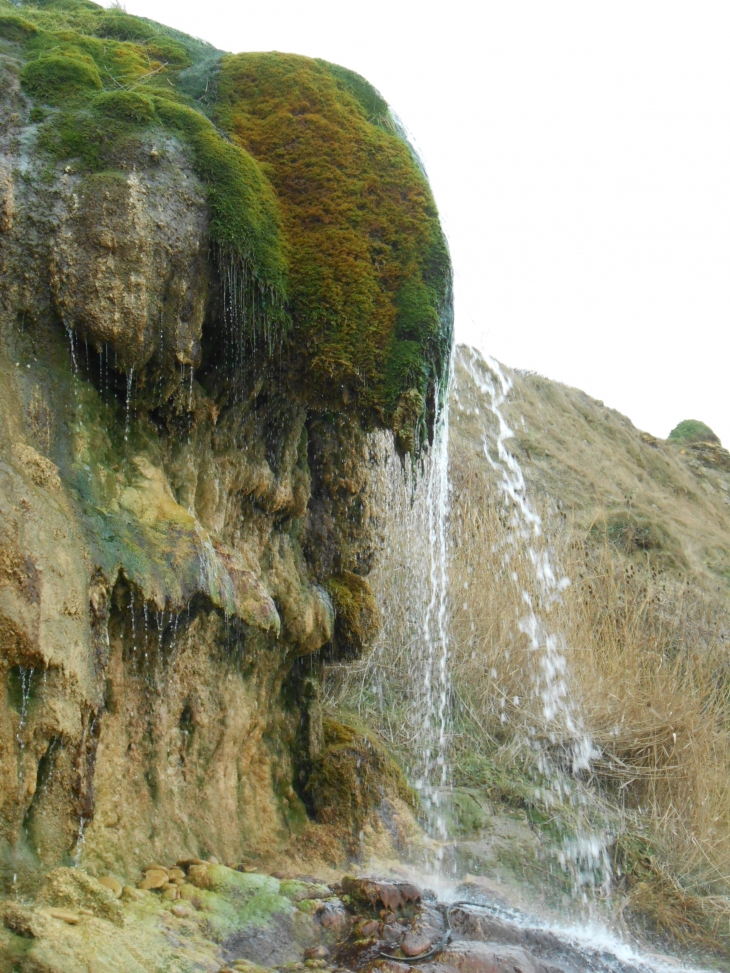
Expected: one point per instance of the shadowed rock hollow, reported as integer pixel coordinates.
(219, 276)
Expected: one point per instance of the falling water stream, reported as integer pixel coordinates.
(413, 585)
(561, 744)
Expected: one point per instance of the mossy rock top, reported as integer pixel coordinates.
(693, 431)
(322, 223)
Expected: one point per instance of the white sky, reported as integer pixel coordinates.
(579, 153)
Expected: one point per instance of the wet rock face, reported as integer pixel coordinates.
(128, 264)
(158, 568)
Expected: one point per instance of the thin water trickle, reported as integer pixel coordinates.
(26, 680)
(80, 838)
(562, 738)
(130, 379)
(411, 585)
(72, 345)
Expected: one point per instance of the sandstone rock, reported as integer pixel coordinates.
(131, 894)
(393, 932)
(72, 889)
(171, 893)
(153, 880)
(333, 918)
(391, 894)
(366, 929)
(317, 952)
(113, 884)
(392, 966)
(179, 911)
(479, 957)
(176, 874)
(65, 915)
(154, 868)
(23, 921)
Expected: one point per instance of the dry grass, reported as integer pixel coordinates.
(648, 675)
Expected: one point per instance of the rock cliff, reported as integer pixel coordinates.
(220, 274)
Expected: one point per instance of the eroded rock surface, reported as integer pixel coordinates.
(186, 519)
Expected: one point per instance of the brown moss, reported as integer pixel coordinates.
(366, 246)
(357, 619)
(352, 775)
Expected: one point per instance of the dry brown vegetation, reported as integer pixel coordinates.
(644, 629)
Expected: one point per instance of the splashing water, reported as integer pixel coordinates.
(562, 745)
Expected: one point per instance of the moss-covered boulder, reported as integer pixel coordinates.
(692, 431)
(326, 240)
(353, 775)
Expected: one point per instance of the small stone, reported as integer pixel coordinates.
(212, 860)
(153, 880)
(86, 912)
(415, 943)
(171, 893)
(111, 883)
(72, 918)
(315, 964)
(317, 952)
(368, 929)
(154, 868)
(187, 862)
(179, 911)
(175, 873)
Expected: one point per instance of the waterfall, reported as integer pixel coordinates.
(432, 773)
(561, 744)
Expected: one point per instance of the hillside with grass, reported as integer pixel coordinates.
(641, 529)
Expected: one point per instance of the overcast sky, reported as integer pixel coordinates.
(579, 153)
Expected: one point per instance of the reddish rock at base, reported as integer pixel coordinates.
(416, 943)
(469, 957)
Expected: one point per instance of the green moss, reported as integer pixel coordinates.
(126, 105)
(168, 51)
(123, 27)
(244, 215)
(14, 28)
(55, 78)
(321, 219)
(369, 98)
(361, 223)
(692, 431)
(416, 316)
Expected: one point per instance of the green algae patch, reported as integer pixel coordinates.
(366, 247)
(251, 899)
(55, 78)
